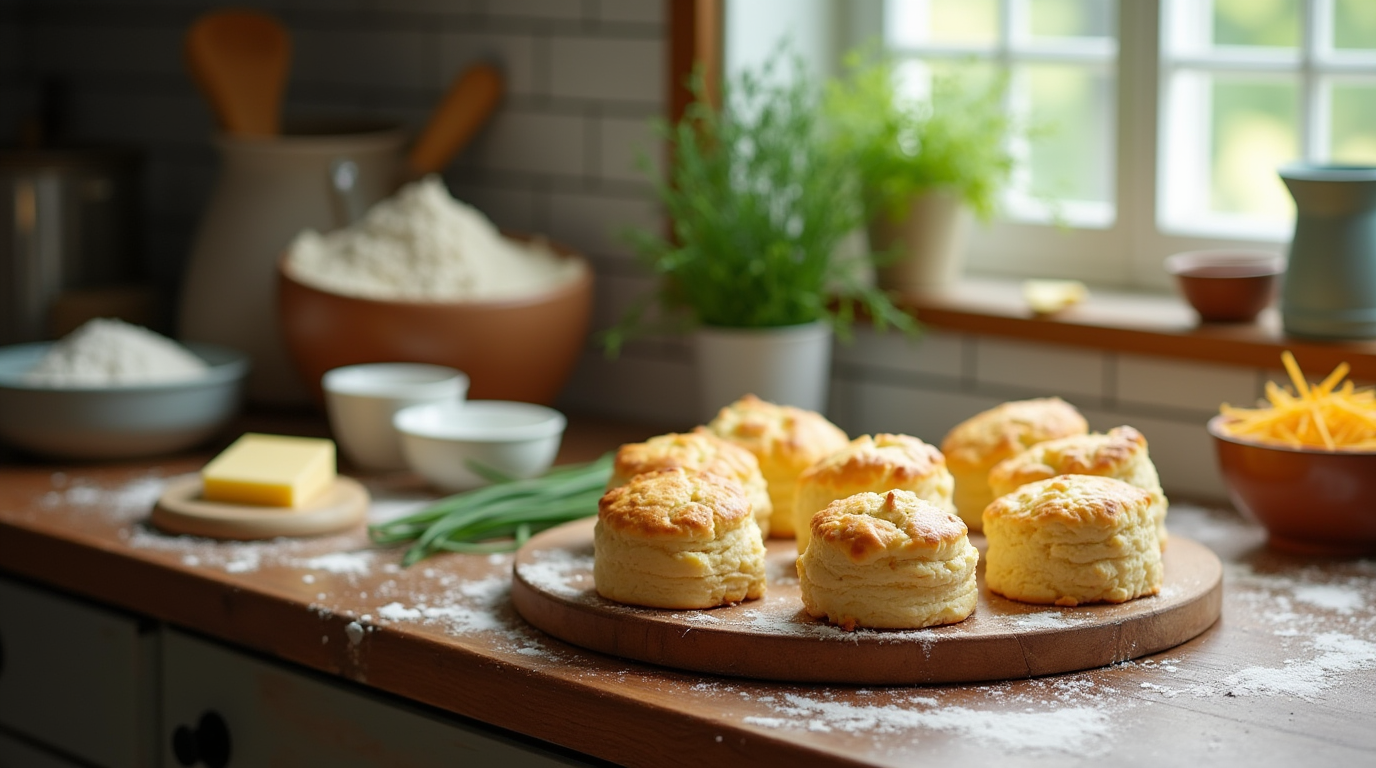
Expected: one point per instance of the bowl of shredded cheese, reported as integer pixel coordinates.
(424, 278)
(1303, 464)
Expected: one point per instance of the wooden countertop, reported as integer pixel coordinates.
(1288, 675)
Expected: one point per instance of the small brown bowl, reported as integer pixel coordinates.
(517, 349)
(1227, 286)
(1310, 501)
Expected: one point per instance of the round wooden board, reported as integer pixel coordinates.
(773, 639)
(181, 509)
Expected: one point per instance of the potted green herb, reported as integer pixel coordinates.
(759, 205)
(924, 164)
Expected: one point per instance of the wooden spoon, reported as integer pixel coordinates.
(459, 115)
(240, 61)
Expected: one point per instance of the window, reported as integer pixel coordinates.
(1249, 86)
(1061, 58)
(1168, 118)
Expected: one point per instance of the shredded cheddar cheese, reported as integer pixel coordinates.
(1333, 415)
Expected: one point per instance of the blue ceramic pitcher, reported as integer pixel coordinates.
(1330, 282)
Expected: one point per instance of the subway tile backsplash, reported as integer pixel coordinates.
(584, 78)
(1186, 385)
(1029, 368)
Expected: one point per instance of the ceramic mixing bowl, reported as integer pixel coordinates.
(518, 349)
(1227, 286)
(441, 440)
(1310, 501)
(117, 422)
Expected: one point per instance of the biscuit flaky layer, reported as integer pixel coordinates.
(785, 440)
(702, 451)
(1071, 540)
(1120, 454)
(891, 561)
(678, 538)
(875, 464)
(975, 445)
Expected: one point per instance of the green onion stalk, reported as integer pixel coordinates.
(499, 517)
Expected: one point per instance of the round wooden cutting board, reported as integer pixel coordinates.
(773, 639)
(181, 509)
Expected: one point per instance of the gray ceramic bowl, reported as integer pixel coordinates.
(117, 422)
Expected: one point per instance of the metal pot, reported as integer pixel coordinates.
(68, 219)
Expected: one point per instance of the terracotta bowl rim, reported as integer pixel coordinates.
(1266, 264)
(581, 284)
(1214, 427)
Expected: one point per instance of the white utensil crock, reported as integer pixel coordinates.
(269, 190)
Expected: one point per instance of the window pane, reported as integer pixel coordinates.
(1354, 123)
(1268, 23)
(1072, 18)
(1253, 132)
(1071, 152)
(1354, 24)
(914, 76)
(942, 22)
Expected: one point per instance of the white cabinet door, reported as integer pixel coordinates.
(241, 711)
(77, 677)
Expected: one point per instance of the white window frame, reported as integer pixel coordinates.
(1187, 55)
(1130, 251)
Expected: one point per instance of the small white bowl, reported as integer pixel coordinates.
(362, 399)
(516, 439)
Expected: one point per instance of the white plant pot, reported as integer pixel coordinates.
(932, 235)
(788, 365)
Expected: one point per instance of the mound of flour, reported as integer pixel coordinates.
(422, 244)
(109, 352)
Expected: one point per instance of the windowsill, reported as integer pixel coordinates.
(1145, 324)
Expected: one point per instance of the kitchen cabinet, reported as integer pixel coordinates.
(75, 676)
(222, 707)
(110, 689)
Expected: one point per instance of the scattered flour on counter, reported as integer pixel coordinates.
(130, 501)
(422, 244)
(109, 352)
(1334, 597)
(354, 631)
(1336, 653)
(460, 606)
(358, 563)
(248, 560)
(1323, 648)
(397, 612)
(238, 556)
(1076, 730)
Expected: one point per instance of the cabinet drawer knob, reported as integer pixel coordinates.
(208, 743)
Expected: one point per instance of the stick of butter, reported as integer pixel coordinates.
(270, 470)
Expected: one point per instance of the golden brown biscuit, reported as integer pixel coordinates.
(975, 445)
(785, 440)
(890, 561)
(1072, 539)
(677, 538)
(1120, 454)
(700, 450)
(877, 464)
